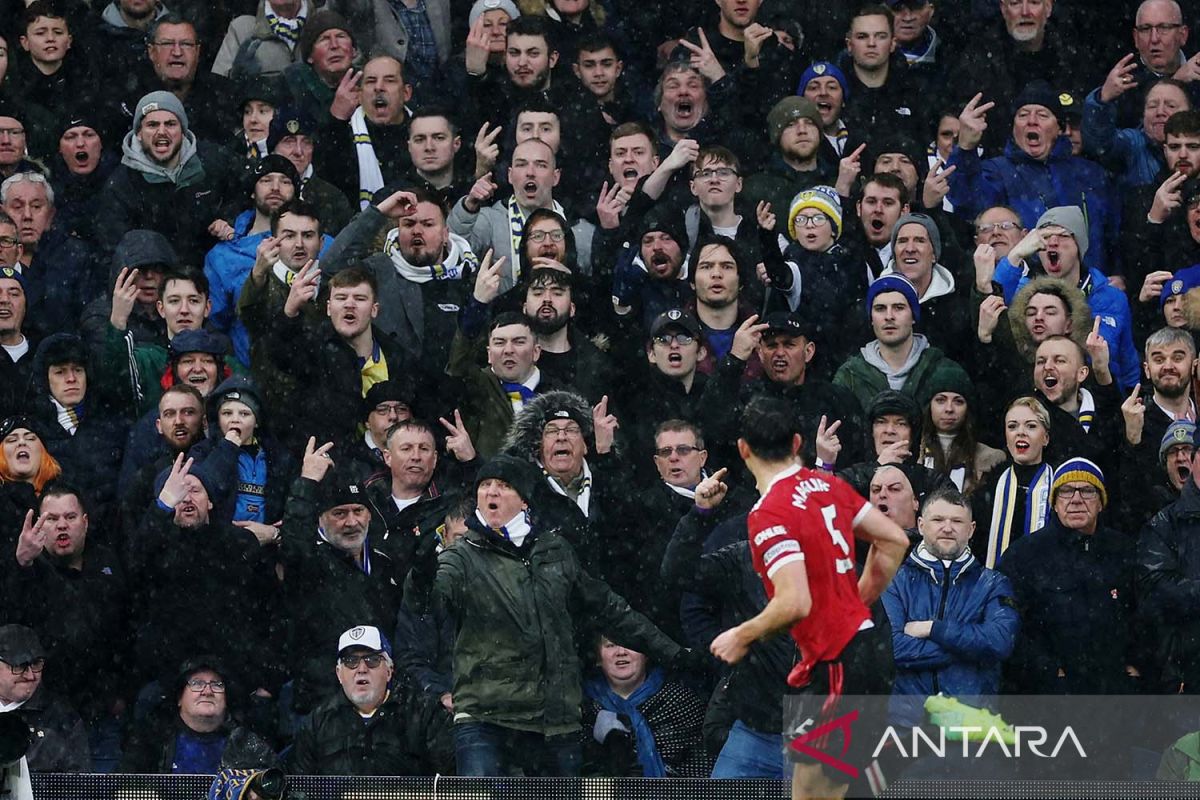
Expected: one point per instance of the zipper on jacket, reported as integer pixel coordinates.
(940, 614)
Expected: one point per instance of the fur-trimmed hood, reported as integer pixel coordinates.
(1077, 307)
(524, 438)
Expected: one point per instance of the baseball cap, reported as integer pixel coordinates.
(675, 318)
(19, 645)
(787, 322)
(365, 636)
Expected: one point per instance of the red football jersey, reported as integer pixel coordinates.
(807, 515)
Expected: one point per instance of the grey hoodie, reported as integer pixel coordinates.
(872, 355)
(187, 170)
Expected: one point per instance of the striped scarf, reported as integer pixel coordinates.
(1037, 509)
(584, 483)
(288, 30)
(1087, 410)
(370, 176)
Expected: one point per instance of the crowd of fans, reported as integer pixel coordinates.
(361, 360)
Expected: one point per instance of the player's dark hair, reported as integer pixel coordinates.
(768, 427)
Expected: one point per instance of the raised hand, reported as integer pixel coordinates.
(32, 540)
(1167, 198)
(124, 298)
(347, 96)
(480, 194)
(827, 443)
(752, 43)
(985, 267)
(1120, 79)
(487, 152)
(703, 58)
(477, 50)
(1134, 412)
(1153, 285)
(265, 534)
(317, 461)
(972, 122)
(487, 280)
(265, 256)
(746, 337)
(399, 204)
(989, 317)
(766, 218)
(175, 489)
(937, 185)
(683, 153)
(458, 441)
(1097, 348)
(849, 168)
(1033, 243)
(712, 490)
(609, 206)
(303, 289)
(221, 230)
(894, 453)
(604, 426)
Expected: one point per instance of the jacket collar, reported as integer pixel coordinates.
(936, 568)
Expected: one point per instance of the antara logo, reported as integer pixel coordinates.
(1031, 737)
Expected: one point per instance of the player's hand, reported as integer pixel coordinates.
(729, 646)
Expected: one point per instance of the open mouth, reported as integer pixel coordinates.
(508, 363)
(1184, 471)
(197, 378)
(629, 173)
(1033, 137)
(877, 225)
(380, 101)
(684, 108)
(62, 540)
(1021, 446)
(1053, 257)
(6, 312)
(1050, 381)
(547, 312)
(529, 187)
(675, 359)
(179, 432)
(81, 157)
(883, 508)
(779, 364)
(349, 319)
(187, 508)
(561, 451)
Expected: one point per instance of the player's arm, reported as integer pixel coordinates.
(792, 602)
(888, 546)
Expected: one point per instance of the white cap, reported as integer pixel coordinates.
(367, 636)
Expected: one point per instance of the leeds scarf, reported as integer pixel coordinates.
(370, 176)
(1037, 510)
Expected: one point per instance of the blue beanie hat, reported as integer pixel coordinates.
(822, 69)
(1182, 281)
(1079, 469)
(895, 283)
(1180, 431)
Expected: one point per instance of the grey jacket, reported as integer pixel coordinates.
(378, 30)
(271, 56)
(489, 229)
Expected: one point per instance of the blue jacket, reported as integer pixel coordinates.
(1031, 187)
(975, 627)
(227, 266)
(1128, 152)
(1107, 302)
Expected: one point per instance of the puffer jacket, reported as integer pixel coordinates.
(519, 608)
(975, 626)
(1031, 187)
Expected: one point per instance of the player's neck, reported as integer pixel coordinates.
(765, 471)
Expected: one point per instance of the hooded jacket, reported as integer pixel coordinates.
(1031, 187)
(975, 625)
(519, 610)
(866, 374)
(239, 471)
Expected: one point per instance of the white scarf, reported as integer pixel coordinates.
(515, 530)
(451, 267)
(68, 418)
(287, 275)
(681, 491)
(584, 501)
(1087, 410)
(370, 176)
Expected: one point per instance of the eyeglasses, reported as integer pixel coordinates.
(810, 221)
(1084, 492)
(988, 227)
(554, 431)
(678, 338)
(197, 685)
(182, 44)
(35, 666)
(1054, 237)
(1162, 29)
(372, 661)
(8, 241)
(684, 450)
(390, 408)
(716, 172)
(540, 236)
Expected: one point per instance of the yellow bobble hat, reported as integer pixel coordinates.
(1081, 470)
(824, 199)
